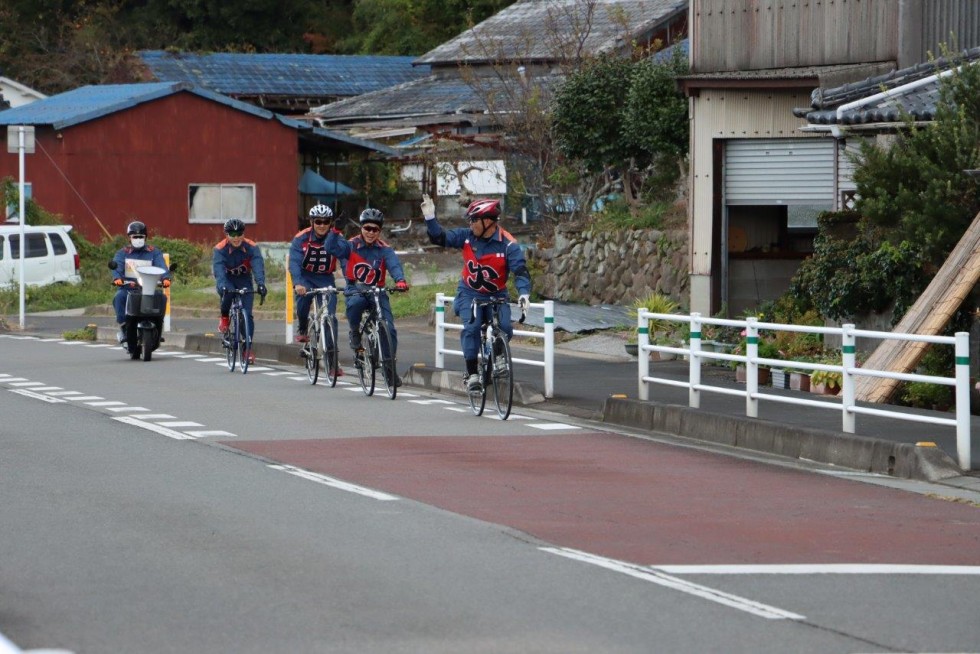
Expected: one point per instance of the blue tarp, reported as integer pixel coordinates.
(312, 183)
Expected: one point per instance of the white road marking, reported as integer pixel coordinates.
(205, 434)
(278, 373)
(661, 579)
(28, 383)
(334, 483)
(99, 345)
(48, 388)
(127, 408)
(59, 393)
(548, 426)
(211, 360)
(169, 433)
(36, 396)
(72, 342)
(427, 402)
(106, 403)
(457, 409)
(821, 569)
(181, 423)
(13, 379)
(84, 398)
(155, 416)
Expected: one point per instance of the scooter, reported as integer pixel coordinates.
(144, 313)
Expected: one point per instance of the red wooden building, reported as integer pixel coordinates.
(177, 157)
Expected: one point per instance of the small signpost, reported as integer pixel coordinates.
(20, 139)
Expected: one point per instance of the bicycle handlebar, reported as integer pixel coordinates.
(496, 301)
(243, 291)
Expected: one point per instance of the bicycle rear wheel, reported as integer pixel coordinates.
(330, 355)
(231, 340)
(502, 373)
(368, 360)
(313, 352)
(244, 342)
(387, 358)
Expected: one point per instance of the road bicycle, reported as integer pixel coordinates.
(237, 341)
(322, 334)
(377, 346)
(494, 363)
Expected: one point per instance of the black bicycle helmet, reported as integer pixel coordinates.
(136, 228)
(372, 216)
(320, 211)
(234, 225)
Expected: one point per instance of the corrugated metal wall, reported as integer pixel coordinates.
(940, 17)
(730, 114)
(733, 35)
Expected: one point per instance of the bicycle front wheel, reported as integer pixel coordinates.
(313, 352)
(478, 398)
(386, 355)
(330, 355)
(368, 360)
(502, 373)
(231, 341)
(244, 341)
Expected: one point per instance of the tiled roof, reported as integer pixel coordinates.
(430, 96)
(526, 30)
(301, 75)
(912, 91)
(91, 102)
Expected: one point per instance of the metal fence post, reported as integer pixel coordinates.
(751, 367)
(549, 348)
(643, 357)
(694, 365)
(961, 350)
(848, 394)
(440, 330)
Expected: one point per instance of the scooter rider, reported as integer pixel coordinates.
(127, 259)
(235, 261)
(490, 253)
(311, 266)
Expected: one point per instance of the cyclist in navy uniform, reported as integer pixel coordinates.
(369, 261)
(127, 259)
(490, 255)
(235, 261)
(311, 266)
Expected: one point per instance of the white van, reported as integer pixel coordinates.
(51, 256)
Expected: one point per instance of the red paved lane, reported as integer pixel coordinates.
(649, 503)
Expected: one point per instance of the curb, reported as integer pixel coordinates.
(845, 450)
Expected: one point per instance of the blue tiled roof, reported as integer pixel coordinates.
(91, 102)
(916, 95)
(301, 75)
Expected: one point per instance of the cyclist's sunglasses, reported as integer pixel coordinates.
(236, 233)
(320, 221)
(371, 228)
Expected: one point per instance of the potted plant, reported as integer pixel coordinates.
(826, 382)
(661, 331)
(767, 350)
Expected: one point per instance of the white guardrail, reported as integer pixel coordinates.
(848, 368)
(547, 337)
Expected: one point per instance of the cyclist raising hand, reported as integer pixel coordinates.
(490, 255)
(235, 261)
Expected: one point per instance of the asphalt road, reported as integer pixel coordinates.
(173, 506)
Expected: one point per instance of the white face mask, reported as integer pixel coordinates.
(137, 241)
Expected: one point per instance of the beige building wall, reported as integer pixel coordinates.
(719, 115)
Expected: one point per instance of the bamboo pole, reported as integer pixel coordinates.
(928, 316)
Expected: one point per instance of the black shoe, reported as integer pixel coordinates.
(398, 381)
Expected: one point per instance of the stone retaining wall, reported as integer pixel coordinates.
(614, 267)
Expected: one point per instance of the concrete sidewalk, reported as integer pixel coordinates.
(595, 380)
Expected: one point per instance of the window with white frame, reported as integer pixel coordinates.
(216, 203)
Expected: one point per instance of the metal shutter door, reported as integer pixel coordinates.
(779, 171)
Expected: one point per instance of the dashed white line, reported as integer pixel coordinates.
(84, 398)
(119, 409)
(106, 403)
(207, 434)
(211, 360)
(36, 396)
(48, 388)
(155, 416)
(549, 426)
(65, 393)
(27, 383)
(149, 426)
(181, 423)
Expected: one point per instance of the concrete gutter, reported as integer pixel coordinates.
(847, 450)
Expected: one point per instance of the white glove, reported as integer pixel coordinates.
(428, 207)
(523, 301)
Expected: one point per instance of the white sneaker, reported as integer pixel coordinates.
(122, 334)
(473, 384)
